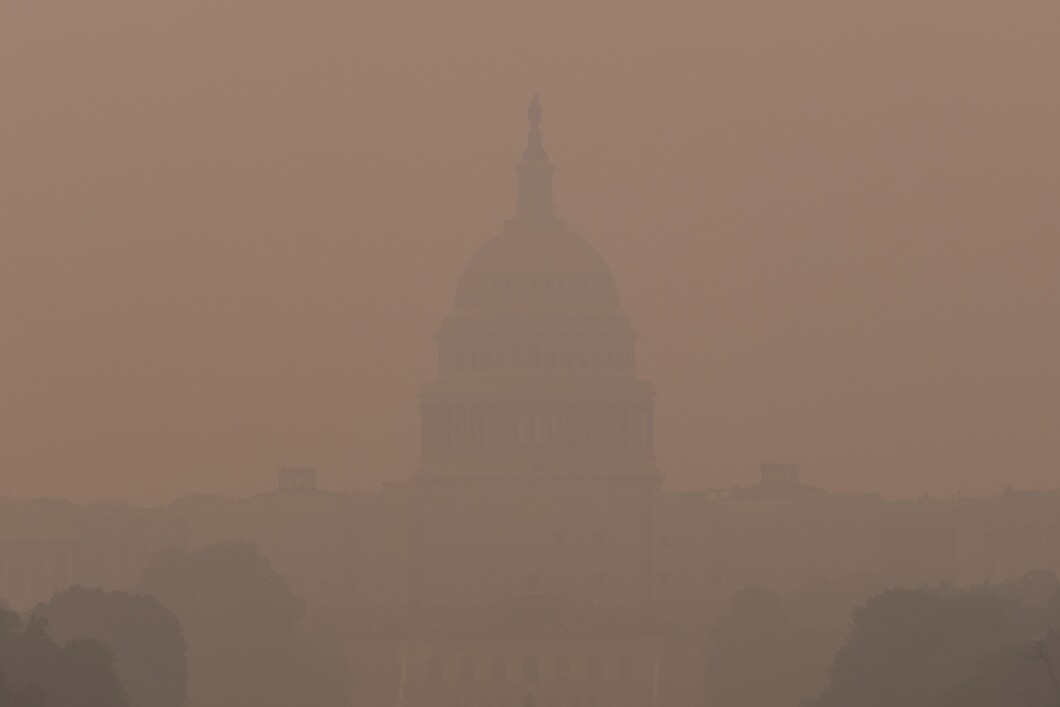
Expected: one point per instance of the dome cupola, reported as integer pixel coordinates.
(536, 363)
(535, 260)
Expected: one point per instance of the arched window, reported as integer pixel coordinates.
(531, 672)
(434, 669)
(594, 671)
(499, 669)
(562, 669)
(625, 669)
(467, 669)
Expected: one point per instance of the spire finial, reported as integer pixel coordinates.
(535, 171)
(535, 151)
(535, 112)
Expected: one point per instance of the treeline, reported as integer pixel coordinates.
(219, 626)
(946, 647)
(771, 650)
(928, 647)
(216, 626)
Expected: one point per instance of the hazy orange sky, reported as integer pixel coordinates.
(230, 229)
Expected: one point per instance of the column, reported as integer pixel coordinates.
(651, 433)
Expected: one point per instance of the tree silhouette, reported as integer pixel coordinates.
(757, 655)
(1015, 675)
(36, 672)
(21, 695)
(145, 637)
(247, 642)
(908, 648)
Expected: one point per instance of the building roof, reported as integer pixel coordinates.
(536, 261)
(777, 491)
(536, 265)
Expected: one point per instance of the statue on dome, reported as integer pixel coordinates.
(535, 112)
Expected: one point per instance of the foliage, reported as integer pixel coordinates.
(36, 672)
(145, 637)
(247, 642)
(1015, 675)
(908, 648)
(759, 655)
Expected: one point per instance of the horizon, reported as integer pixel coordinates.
(234, 259)
(399, 353)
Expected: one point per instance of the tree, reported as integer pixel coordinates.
(1015, 675)
(247, 642)
(84, 676)
(758, 655)
(21, 695)
(145, 637)
(907, 648)
(36, 672)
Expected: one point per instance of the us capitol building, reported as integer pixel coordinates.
(533, 557)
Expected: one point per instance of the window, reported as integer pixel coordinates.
(434, 669)
(562, 669)
(499, 669)
(467, 670)
(593, 669)
(531, 672)
(625, 669)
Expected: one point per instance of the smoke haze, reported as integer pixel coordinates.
(229, 230)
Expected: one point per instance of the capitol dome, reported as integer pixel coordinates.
(536, 363)
(536, 265)
(536, 261)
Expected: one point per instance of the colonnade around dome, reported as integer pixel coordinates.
(538, 431)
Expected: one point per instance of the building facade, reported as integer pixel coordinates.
(533, 557)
